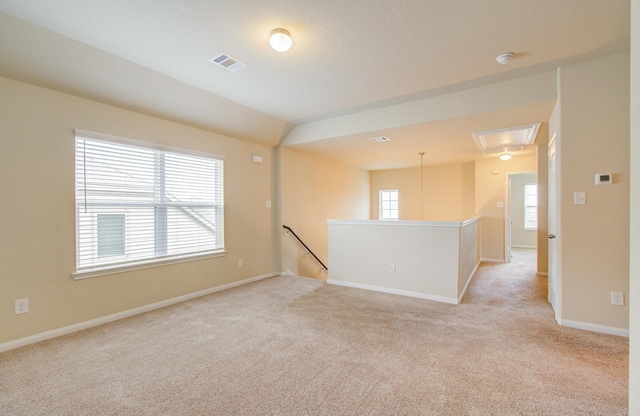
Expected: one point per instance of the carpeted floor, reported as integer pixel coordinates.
(291, 345)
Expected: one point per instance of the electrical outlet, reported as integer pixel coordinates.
(240, 263)
(21, 306)
(392, 268)
(617, 298)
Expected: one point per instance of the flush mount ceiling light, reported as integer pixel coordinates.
(505, 58)
(505, 156)
(380, 139)
(280, 40)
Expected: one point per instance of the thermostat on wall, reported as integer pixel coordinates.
(604, 178)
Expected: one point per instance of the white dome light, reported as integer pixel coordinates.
(505, 156)
(280, 40)
(505, 58)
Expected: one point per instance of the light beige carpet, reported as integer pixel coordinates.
(291, 345)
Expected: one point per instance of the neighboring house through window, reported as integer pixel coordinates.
(389, 204)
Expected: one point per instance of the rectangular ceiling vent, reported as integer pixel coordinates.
(510, 139)
(380, 139)
(227, 61)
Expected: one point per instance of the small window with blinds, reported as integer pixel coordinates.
(530, 206)
(139, 205)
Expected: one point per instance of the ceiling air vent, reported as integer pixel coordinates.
(379, 139)
(228, 62)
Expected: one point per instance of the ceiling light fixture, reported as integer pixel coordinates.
(505, 58)
(280, 40)
(380, 139)
(505, 156)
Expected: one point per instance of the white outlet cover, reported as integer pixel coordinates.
(617, 298)
(21, 306)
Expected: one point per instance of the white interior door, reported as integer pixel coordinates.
(554, 281)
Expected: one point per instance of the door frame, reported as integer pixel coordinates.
(507, 211)
(555, 248)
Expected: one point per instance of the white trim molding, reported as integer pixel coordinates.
(464, 290)
(21, 342)
(456, 224)
(492, 260)
(409, 293)
(603, 329)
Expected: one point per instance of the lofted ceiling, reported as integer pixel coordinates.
(348, 58)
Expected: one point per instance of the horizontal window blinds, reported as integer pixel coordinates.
(530, 206)
(136, 204)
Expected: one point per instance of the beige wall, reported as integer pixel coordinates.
(519, 236)
(634, 352)
(490, 178)
(448, 191)
(37, 243)
(454, 192)
(314, 189)
(595, 237)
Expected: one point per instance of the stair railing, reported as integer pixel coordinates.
(308, 250)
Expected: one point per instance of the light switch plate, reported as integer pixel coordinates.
(579, 198)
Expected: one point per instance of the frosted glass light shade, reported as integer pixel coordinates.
(505, 156)
(280, 40)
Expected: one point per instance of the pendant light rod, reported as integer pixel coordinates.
(421, 187)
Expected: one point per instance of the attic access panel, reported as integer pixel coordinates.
(506, 139)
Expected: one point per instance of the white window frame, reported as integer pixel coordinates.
(92, 264)
(528, 206)
(386, 213)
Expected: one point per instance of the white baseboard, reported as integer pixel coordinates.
(492, 260)
(394, 291)
(519, 246)
(611, 330)
(464, 290)
(32, 339)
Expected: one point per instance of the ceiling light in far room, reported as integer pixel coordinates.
(380, 139)
(505, 58)
(280, 40)
(505, 156)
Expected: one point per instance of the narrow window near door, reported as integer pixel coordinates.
(389, 204)
(530, 206)
(140, 204)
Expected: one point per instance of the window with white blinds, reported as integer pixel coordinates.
(138, 205)
(530, 206)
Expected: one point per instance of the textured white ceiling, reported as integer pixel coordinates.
(348, 55)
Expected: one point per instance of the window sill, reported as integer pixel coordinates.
(102, 271)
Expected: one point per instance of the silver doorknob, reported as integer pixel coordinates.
(551, 236)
